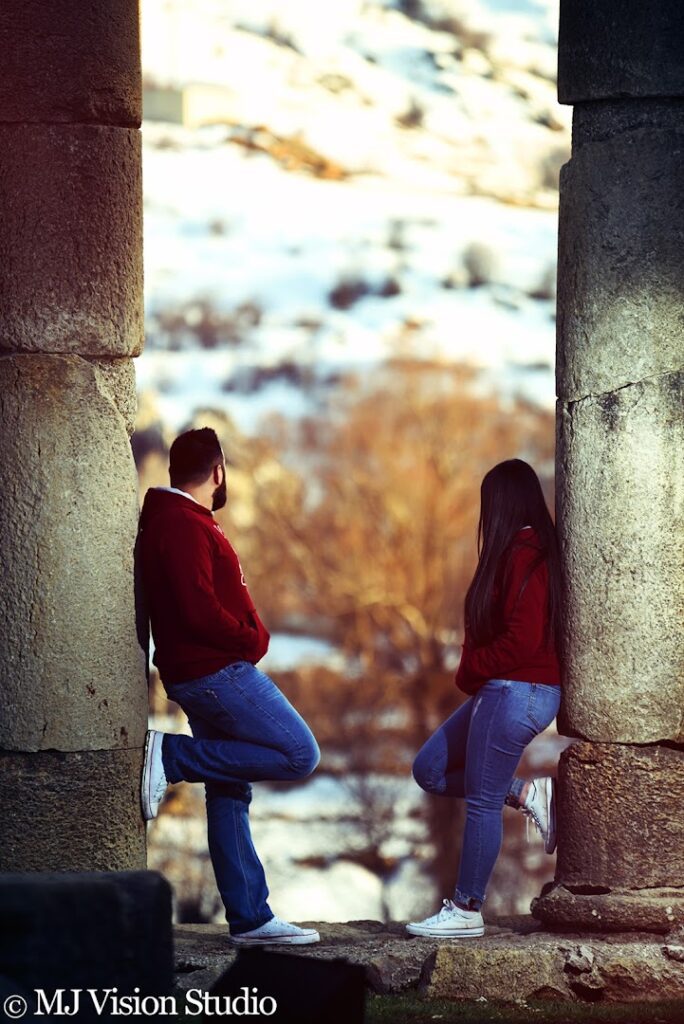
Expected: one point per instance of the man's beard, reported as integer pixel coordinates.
(220, 496)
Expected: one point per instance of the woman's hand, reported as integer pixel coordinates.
(464, 680)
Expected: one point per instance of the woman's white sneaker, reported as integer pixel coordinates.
(449, 923)
(540, 807)
(277, 930)
(154, 782)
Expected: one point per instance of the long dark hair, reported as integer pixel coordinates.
(510, 498)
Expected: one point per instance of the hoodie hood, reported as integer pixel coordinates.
(160, 501)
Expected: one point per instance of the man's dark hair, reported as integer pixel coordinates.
(193, 455)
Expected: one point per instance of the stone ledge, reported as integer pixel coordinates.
(659, 909)
(516, 959)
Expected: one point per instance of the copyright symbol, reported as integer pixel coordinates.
(15, 1006)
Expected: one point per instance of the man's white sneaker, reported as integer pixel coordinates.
(154, 781)
(277, 930)
(540, 807)
(451, 922)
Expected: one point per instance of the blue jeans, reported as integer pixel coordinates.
(243, 730)
(474, 755)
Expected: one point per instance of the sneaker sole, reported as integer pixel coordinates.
(550, 846)
(455, 933)
(145, 795)
(284, 940)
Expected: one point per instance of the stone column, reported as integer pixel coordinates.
(72, 674)
(620, 468)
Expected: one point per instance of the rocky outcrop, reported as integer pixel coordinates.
(516, 959)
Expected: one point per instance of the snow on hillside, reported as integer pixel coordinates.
(386, 183)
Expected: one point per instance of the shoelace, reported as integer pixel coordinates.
(448, 906)
(531, 814)
(280, 924)
(160, 788)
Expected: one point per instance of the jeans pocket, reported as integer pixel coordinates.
(542, 705)
(534, 710)
(221, 706)
(236, 668)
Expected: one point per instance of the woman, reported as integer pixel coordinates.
(510, 668)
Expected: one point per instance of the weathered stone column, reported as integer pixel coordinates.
(72, 675)
(620, 468)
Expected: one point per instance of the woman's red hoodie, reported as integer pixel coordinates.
(518, 651)
(201, 612)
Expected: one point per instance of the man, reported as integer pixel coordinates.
(208, 638)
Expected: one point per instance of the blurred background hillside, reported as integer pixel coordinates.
(350, 259)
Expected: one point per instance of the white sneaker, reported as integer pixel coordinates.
(450, 922)
(540, 807)
(277, 930)
(154, 781)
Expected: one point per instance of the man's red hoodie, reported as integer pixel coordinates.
(201, 613)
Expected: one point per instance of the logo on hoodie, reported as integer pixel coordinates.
(242, 575)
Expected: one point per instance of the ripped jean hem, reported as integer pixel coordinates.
(471, 902)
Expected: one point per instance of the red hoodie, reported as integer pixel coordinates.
(518, 651)
(201, 613)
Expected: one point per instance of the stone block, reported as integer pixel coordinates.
(620, 498)
(614, 50)
(598, 122)
(116, 378)
(71, 811)
(64, 62)
(552, 968)
(71, 244)
(621, 261)
(659, 910)
(73, 671)
(86, 930)
(515, 971)
(619, 814)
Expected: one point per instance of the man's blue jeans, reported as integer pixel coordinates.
(474, 755)
(243, 730)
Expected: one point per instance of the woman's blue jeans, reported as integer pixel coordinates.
(474, 755)
(243, 730)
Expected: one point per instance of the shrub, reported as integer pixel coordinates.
(348, 291)
(413, 117)
(389, 288)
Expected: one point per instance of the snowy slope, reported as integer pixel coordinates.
(442, 133)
